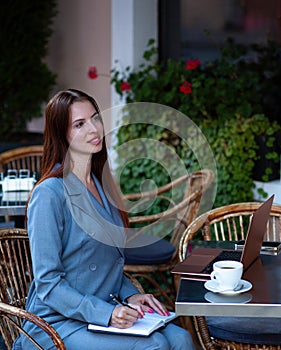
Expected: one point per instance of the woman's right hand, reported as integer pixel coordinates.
(125, 317)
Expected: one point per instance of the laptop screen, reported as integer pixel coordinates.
(256, 231)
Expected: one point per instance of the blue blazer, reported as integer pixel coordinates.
(77, 252)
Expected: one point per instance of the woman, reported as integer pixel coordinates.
(77, 230)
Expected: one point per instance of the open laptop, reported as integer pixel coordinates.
(199, 264)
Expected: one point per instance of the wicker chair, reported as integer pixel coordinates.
(15, 277)
(28, 157)
(229, 222)
(179, 215)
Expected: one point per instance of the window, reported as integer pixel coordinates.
(191, 29)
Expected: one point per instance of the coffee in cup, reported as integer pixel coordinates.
(227, 273)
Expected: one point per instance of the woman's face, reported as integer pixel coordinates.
(85, 131)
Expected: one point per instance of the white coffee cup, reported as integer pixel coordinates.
(227, 273)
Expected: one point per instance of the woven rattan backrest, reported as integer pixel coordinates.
(191, 187)
(15, 278)
(230, 223)
(29, 157)
(16, 267)
(15, 274)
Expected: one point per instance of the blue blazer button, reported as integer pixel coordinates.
(93, 267)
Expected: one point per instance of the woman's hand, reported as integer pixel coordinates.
(148, 303)
(125, 317)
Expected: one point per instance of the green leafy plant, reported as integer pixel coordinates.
(233, 142)
(25, 79)
(227, 98)
(241, 82)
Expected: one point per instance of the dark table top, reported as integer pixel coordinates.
(263, 300)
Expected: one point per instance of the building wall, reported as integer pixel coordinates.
(98, 32)
(81, 38)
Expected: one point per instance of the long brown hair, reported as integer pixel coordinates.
(56, 145)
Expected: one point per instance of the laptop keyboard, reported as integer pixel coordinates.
(224, 255)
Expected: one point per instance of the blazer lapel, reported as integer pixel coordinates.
(91, 216)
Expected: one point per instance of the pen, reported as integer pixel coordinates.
(121, 302)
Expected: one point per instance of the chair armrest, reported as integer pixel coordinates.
(158, 191)
(11, 317)
(135, 282)
(138, 206)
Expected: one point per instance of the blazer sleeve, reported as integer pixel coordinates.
(127, 289)
(45, 227)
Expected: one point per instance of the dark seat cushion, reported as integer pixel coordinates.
(158, 251)
(251, 330)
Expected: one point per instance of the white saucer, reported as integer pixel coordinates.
(226, 299)
(212, 286)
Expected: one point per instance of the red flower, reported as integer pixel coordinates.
(92, 72)
(125, 86)
(192, 64)
(186, 88)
